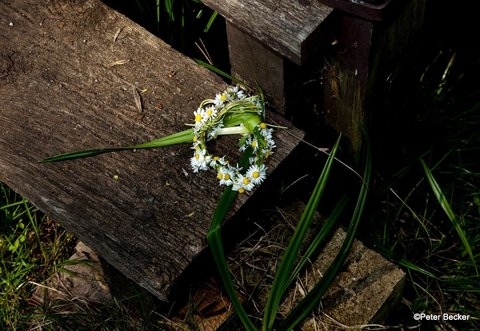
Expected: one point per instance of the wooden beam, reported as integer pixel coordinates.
(69, 73)
(253, 62)
(353, 48)
(264, 35)
(362, 54)
(287, 27)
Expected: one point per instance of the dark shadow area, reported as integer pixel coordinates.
(188, 27)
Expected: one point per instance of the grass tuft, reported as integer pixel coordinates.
(31, 245)
(429, 209)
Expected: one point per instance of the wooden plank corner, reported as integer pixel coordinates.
(366, 289)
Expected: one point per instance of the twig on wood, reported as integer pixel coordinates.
(138, 100)
(119, 62)
(115, 37)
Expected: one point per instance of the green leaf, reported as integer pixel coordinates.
(249, 120)
(13, 247)
(214, 240)
(442, 200)
(282, 276)
(403, 262)
(222, 73)
(305, 307)
(210, 21)
(323, 234)
(185, 136)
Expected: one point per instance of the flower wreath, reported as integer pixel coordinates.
(233, 112)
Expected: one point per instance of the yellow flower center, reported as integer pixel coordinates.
(198, 118)
(256, 174)
(246, 181)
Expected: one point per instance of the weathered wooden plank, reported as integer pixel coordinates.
(68, 72)
(363, 58)
(288, 27)
(254, 62)
(365, 290)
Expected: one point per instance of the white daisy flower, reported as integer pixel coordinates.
(225, 175)
(200, 160)
(217, 161)
(198, 114)
(242, 184)
(209, 113)
(199, 118)
(220, 99)
(240, 94)
(256, 174)
(254, 144)
(196, 144)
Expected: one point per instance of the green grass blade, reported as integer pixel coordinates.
(323, 234)
(158, 13)
(222, 73)
(442, 200)
(176, 138)
(214, 240)
(210, 21)
(403, 262)
(282, 276)
(141, 6)
(181, 137)
(298, 314)
(169, 10)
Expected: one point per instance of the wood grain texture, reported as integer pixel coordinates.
(287, 26)
(254, 62)
(59, 92)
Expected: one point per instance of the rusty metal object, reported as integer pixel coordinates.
(372, 10)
